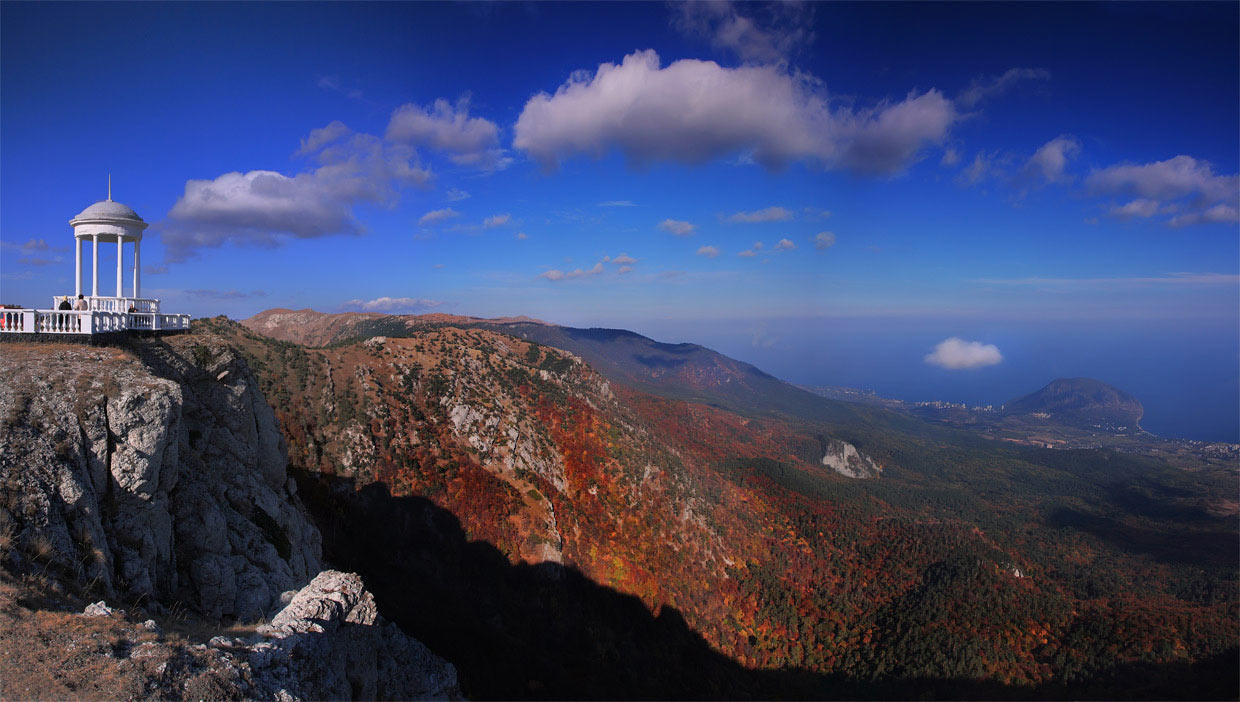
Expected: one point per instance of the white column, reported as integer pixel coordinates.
(120, 264)
(94, 275)
(77, 279)
(137, 266)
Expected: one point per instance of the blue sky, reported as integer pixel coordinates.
(982, 164)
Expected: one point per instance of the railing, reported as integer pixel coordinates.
(173, 321)
(61, 322)
(88, 322)
(117, 304)
(104, 322)
(15, 321)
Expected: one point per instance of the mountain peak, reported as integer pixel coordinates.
(1081, 401)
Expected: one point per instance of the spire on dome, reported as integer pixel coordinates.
(109, 187)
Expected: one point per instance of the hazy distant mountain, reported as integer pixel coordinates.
(1081, 401)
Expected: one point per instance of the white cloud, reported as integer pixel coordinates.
(1183, 183)
(1219, 214)
(727, 29)
(770, 214)
(469, 141)
(751, 251)
(950, 158)
(436, 216)
(1141, 207)
(497, 220)
(982, 88)
(1051, 159)
(784, 245)
(625, 269)
(520, 236)
(823, 241)
(677, 227)
(695, 111)
(264, 208)
(557, 275)
(456, 195)
(393, 305)
(958, 354)
(708, 251)
(617, 203)
(624, 260)
(981, 167)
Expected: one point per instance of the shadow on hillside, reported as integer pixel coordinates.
(549, 632)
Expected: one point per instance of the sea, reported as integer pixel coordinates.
(1186, 372)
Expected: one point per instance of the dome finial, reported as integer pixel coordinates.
(109, 187)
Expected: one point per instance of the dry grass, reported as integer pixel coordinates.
(50, 652)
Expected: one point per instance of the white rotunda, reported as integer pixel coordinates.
(105, 222)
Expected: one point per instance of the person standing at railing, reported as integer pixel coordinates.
(64, 304)
(81, 305)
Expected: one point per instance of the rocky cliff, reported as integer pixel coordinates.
(155, 475)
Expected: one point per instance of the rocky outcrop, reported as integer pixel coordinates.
(329, 642)
(157, 473)
(845, 459)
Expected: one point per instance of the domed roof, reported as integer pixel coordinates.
(107, 209)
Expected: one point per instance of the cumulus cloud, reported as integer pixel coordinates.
(393, 305)
(823, 241)
(784, 245)
(982, 88)
(708, 251)
(436, 216)
(624, 260)
(264, 208)
(695, 111)
(557, 275)
(496, 220)
(771, 38)
(468, 141)
(1050, 161)
(677, 227)
(1181, 183)
(958, 354)
(456, 195)
(770, 214)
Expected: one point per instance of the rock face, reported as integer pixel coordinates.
(157, 475)
(329, 642)
(845, 459)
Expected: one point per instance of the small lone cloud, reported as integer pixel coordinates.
(708, 251)
(494, 221)
(520, 236)
(770, 214)
(456, 195)
(677, 227)
(436, 216)
(957, 354)
(823, 241)
(785, 245)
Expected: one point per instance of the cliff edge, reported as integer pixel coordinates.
(153, 475)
